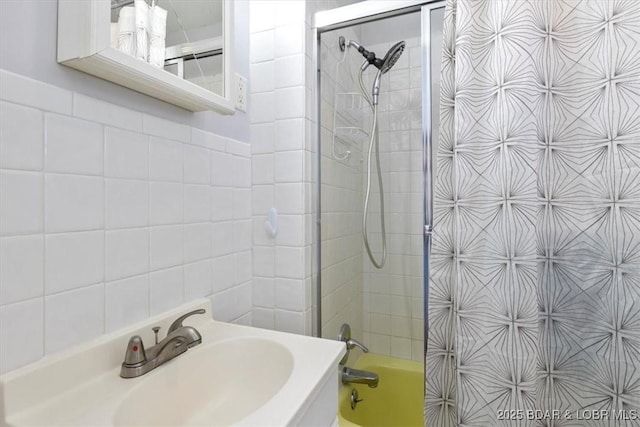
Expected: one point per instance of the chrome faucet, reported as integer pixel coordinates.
(359, 377)
(349, 375)
(179, 339)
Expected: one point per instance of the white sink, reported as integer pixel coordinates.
(220, 383)
(238, 376)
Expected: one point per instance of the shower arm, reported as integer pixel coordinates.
(369, 56)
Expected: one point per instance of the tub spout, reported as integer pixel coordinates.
(359, 377)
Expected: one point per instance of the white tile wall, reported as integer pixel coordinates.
(290, 102)
(289, 71)
(242, 199)
(126, 203)
(290, 198)
(289, 38)
(290, 134)
(262, 107)
(222, 238)
(262, 77)
(280, 165)
(289, 166)
(197, 203)
(73, 260)
(126, 301)
(222, 169)
(223, 273)
(21, 201)
(21, 137)
(198, 240)
(166, 203)
(108, 216)
(222, 203)
(289, 294)
(73, 145)
(197, 279)
(166, 245)
(165, 160)
(164, 128)
(22, 264)
(126, 154)
(197, 165)
(262, 136)
(73, 317)
(103, 112)
(127, 253)
(166, 289)
(27, 328)
(263, 317)
(15, 88)
(262, 42)
(73, 203)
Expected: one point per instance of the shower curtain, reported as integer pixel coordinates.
(534, 299)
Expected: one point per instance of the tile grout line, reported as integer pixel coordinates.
(148, 146)
(44, 235)
(104, 232)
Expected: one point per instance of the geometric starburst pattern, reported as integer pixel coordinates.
(534, 300)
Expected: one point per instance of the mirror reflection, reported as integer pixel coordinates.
(184, 37)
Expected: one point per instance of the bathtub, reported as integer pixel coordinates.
(396, 402)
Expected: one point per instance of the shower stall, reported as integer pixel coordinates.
(384, 306)
(377, 102)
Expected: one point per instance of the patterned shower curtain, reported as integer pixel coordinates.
(534, 300)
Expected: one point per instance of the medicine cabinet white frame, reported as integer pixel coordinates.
(84, 44)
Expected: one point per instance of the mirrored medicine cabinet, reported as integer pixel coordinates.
(179, 51)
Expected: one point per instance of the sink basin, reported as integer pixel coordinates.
(216, 385)
(239, 376)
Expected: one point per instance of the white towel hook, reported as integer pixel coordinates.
(271, 224)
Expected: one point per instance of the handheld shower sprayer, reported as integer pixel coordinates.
(383, 65)
(388, 61)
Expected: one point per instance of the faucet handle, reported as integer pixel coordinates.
(178, 322)
(351, 343)
(345, 336)
(135, 354)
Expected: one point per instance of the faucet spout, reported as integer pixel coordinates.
(357, 376)
(190, 335)
(177, 324)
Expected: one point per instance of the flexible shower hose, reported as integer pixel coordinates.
(373, 141)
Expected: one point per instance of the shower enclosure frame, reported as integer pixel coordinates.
(348, 16)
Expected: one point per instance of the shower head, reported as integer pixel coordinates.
(383, 65)
(392, 57)
(387, 62)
